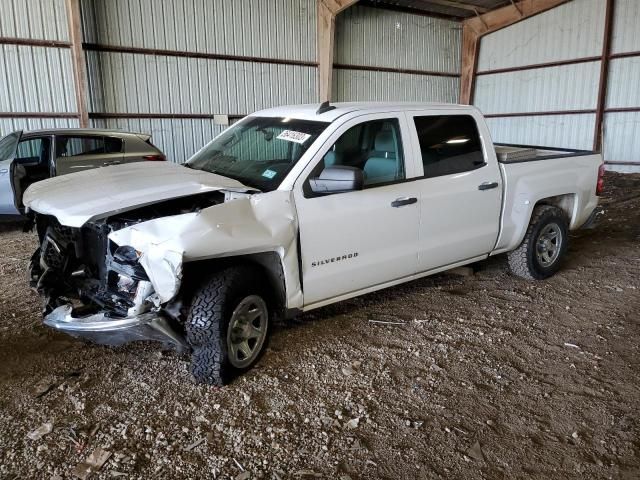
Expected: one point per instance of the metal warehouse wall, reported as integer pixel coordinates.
(166, 67)
(538, 81)
(35, 78)
(622, 116)
(563, 98)
(389, 55)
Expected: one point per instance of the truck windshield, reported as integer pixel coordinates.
(258, 151)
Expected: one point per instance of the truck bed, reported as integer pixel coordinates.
(568, 180)
(511, 153)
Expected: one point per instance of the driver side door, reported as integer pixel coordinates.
(363, 239)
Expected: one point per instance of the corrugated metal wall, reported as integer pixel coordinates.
(282, 29)
(622, 128)
(398, 51)
(142, 82)
(574, 31)
(568, 32)
(35, 78)
(166, 67)
(33, 19)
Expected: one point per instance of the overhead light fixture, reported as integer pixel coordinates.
(457, 140)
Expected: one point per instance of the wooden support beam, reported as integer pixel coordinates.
(598, 133)
(78, 60)
(473, 29)
(327, 11)
(505, 16)
(454, 4)
(470, 46)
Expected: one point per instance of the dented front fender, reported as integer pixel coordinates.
(241, 226)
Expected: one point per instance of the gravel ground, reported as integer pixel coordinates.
(483, 376)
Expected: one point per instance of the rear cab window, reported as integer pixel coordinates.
(449, 144)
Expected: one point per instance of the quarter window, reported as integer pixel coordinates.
(449, 144)
(67, 146)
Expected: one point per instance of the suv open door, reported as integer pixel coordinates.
(8, 148)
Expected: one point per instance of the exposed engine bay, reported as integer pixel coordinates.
(83, 268)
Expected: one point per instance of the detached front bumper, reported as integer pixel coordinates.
(114, 331)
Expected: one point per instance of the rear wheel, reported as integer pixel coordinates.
(228, 325)
(541, 252)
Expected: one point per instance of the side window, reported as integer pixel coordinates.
(67, 146)
(33, 151)
(449, 144)
(375, 147)
(112, 145)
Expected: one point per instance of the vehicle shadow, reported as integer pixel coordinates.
(445, 282)
(11, 225)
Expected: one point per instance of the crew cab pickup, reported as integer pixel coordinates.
(291, 209)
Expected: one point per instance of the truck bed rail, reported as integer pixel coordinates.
(513, 153)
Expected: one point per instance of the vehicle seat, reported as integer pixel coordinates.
(331, 159)
(334, 157)
(382, 166)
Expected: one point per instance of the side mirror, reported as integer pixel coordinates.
(337, 179)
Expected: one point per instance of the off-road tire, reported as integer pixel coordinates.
(208, 320)
(523, 261)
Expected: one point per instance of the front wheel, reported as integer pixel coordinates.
(227, 325)
(541, 252)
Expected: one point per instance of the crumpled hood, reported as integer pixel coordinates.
(76, 198)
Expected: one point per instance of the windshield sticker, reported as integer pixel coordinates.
(293, 136)
(269, 174)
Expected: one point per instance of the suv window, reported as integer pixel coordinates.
(112, 145)
(33, 151)
(375, 147)
(449, 144)
(72, 146)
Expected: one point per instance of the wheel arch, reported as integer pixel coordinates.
(268, 263)
(565, 202)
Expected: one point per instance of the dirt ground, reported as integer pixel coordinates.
(483, 376)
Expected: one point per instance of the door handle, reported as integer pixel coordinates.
(402, 201)
(487, 185)
(115, 162)
(4, 170)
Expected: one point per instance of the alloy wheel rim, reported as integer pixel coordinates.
(549, 244)
(247, 331)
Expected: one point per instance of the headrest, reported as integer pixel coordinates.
(384, 141)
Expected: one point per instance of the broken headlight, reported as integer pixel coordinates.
(126, 255)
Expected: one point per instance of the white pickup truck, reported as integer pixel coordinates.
(291, 209)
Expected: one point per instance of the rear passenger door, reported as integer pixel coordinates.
(75, 153)
(460, 192)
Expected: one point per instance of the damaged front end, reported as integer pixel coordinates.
(98, 290)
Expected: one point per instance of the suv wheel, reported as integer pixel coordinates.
(541, 252)
(228, 325)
